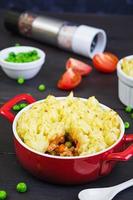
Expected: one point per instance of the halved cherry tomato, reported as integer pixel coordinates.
(78, 66)
(105, 62)
(69, 80)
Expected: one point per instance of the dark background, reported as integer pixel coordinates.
(82, 6)
(103, 86)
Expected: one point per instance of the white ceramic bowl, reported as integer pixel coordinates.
(125, 85)
(26, 70)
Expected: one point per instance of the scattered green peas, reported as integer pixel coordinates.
(16, 107)
(21, 187)
(68, 144)
(41, 87)
(21, 80)
(127, 125)
(3, 194)
(128, 109)
(22, 57)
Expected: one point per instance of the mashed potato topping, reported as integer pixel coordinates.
(68, 127)
(127, 66)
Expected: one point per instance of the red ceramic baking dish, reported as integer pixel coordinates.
(66, 170)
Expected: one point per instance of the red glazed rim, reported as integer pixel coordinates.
(61, 157)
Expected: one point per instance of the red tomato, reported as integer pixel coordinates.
(78, 66)
(69, 80)
(105, 62)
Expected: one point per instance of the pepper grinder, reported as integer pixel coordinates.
(81, 39)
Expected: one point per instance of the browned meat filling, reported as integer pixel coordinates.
(63, 146)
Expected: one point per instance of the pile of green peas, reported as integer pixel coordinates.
(22, 57)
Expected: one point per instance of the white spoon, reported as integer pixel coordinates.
(106, 193)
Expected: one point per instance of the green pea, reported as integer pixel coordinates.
(34, 52)
(68, 144)
(22, 105)
(20, 80)
(3, 194)
(127, 125)
(34, 57)
(21, 187)
(41, 87)
(11, 54)
(16, 107)
(128, 109)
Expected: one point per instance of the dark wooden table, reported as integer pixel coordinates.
(120, 41)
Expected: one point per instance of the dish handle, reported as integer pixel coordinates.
(123, 155)
(5, 110)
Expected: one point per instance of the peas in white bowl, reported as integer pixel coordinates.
(26, 70)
